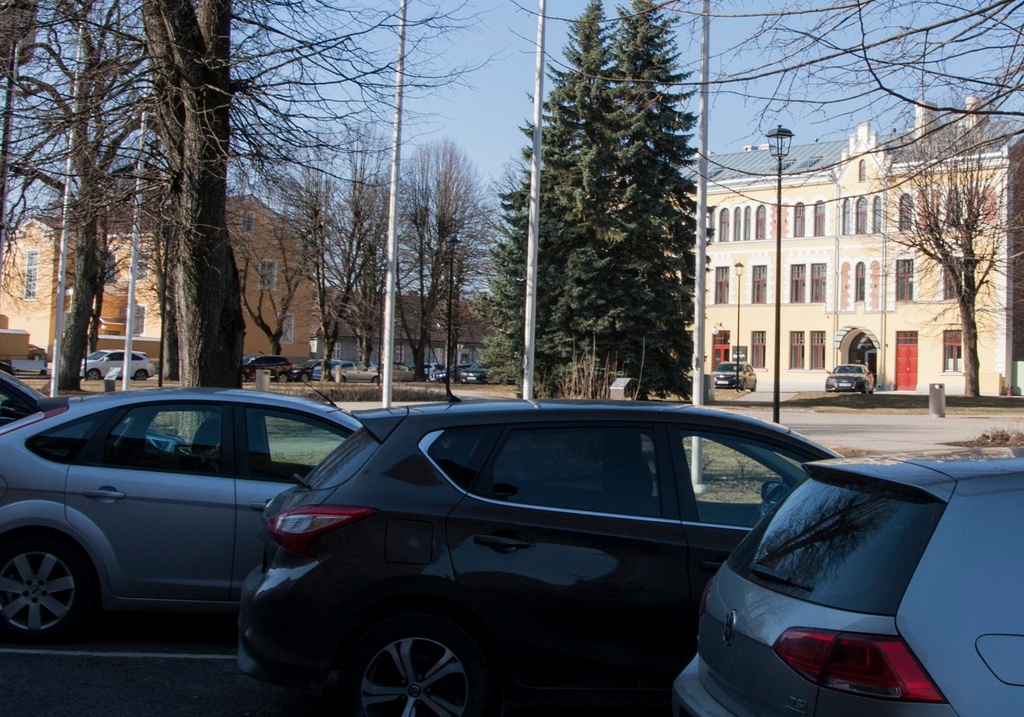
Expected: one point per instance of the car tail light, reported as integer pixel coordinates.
(871, 665)
(295, 529)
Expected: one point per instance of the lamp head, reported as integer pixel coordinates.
(779, 140)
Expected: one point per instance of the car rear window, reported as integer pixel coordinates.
(849, 546)
(345, 461)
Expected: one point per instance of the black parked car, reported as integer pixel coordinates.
(487, 555)
(18, 400)
(850, 377)
(280, 367)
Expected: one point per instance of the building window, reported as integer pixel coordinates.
(798, 219)
(797, 283)
(757, 349)
(759, 285)
(746, 223)
(876, 214)
(268, 274)
(817, 349)
(952, 351)
(109, 267)
(860, 219)
(250, 222)
(904, 280)
(722, 285)
(288, 329)
(723, 225)
(846, 216)
(862, 171)
(948, 286)
(759, 227)
(142, 269)
(796, 349)
(859, 280)
(906, 215)
(31, 274)
(818, 283)
(819, 219)
(139, 320)
(737, 220)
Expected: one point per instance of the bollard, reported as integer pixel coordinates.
(262, 379)
(937, 400)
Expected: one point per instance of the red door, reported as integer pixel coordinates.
(906, 360)
(720, 348)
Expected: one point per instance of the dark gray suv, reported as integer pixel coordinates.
(470, 558)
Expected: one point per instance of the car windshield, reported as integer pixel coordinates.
(730, 367)
(849, 369)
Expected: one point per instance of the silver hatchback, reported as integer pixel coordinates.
(882, 586)
(145, 499)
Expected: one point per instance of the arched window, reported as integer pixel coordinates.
(746, 223)
(759, 226)
(846, 216)
(876, 215)
(798, 219)
(819, 219)
(862, 171)
(859, 281)
(723, 225)
(861, 216)
(906, 216)
(737, 220)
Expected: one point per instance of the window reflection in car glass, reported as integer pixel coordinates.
(605, 469)
(736, 481)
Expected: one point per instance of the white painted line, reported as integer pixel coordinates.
(119, 655)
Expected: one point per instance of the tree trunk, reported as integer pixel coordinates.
(189, 49)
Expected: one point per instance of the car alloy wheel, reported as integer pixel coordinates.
(140, 375)
(415, 664)
(46, 588)
(93, 374)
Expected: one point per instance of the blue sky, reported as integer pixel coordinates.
(486, 117)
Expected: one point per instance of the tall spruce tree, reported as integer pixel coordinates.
(649, 290)
(610, 276)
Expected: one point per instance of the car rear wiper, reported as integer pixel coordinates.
(774, 575)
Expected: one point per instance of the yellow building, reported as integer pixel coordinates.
(850, 293)
(28, 296)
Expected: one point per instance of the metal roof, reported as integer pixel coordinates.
(758, 163)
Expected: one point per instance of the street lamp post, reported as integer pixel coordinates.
(779, 140)
(736, 350)
(452, 398)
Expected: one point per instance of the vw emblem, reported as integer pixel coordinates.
(729, 631)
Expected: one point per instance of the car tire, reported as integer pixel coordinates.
(93, 374)
(305, 377)
(49, 589)
(376, 667)
(140, 375)
(375, 380)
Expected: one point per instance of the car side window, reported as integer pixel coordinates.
(735, 479)
(460, 453)
(181, 439)
(282, 444)
(63, 443)
(601, 469)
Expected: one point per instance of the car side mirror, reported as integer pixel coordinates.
(772, 491)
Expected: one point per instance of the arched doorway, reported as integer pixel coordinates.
(857, 345)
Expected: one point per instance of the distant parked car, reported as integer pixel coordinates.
(850, 377)
(146, 499)
(279, 367)
(476, 373)
(740, 376)
(400, 372)
(354, 371)
(98, 363)
(303, 372)
(886, 585)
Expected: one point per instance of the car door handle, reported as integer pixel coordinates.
(503, 543)
(710, 566)
(257, 505)
(109, 493)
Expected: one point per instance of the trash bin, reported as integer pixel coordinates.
(262, 379)
(937, 400)
(623, 389)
